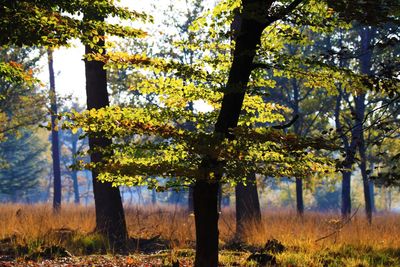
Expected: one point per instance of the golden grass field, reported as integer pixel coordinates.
(355, 244)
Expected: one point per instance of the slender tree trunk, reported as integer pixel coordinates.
(346, 173)
(153, 197)
(247, 206)
(372, 192)
(190, 200)
(55, 148)
(299, 181)
(74, 173)
(110, 219)
(366, 182)
(220, 198)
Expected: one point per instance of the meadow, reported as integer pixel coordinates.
(160, 235)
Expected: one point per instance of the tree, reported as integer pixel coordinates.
(54, 26)
(21, 105)
(55, 144)
(228, 153)
(229, 142)
(71, 145)
(110, 218)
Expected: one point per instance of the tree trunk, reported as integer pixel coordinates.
(206, 222)
(153, 197)
(346, 194)
(296, 126)
(348, 162)
(247, 202)
(55, 148)
(206, 191)
(366, 64)
(299, 196)
(110, 219)
(372, 192)
(74, 173)
(190, 200)
(247, 206)
(367, 192)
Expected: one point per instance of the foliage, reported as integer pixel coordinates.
(171, 150)
(21, 104)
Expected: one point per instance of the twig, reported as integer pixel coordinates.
(340, 227)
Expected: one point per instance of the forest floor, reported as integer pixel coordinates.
(31, 235)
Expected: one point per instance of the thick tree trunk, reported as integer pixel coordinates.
(55, 148)
(110, 219)
(206, 222)
(205, 207)
(247, 202)
(253, 21)
(247, 206)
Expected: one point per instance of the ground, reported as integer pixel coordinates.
(164, 235)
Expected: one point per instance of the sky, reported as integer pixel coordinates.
(68, 64)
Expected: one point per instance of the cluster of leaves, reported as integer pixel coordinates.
(169, 138)
(55, 23)
(20, 101)
(147, 146)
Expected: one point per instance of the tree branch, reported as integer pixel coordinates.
(287, 125)
(283, 12)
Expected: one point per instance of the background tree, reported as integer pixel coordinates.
(55, 144)
(26, 165)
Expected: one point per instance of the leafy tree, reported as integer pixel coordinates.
(21, 105)
(49, 23)
(218, 151)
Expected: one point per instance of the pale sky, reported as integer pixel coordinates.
(68, 64)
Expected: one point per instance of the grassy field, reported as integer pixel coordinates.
(33, 235)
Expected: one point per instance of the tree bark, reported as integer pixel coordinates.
(346, 194)
(247, 206)
(205, 191)
(254, 19)
(74, 173)
(110, 218)
(190, 200)
(206, 222)
(55, 147)
(366, 64)
(296, 126)
(348, 162)
(247, 202)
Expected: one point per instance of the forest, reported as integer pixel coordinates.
(200, 133)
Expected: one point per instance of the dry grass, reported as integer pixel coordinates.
(29, 223)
